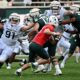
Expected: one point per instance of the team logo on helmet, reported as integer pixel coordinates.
(54, 21)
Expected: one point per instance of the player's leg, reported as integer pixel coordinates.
(35, 50)
(66, 46)
(5, 54)
(60, 48)
(71, 50)
(42, 68)
(10, 60)
(16, 51)
(54, 60)
(25, 47)
(77, 54)
(3, 51)
(24, 50)
(1, 63)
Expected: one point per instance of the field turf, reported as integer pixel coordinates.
(70, 72)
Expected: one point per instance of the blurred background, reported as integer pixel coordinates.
(23, 6)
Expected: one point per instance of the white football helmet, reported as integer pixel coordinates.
(35, 12)
(54, 21)
(27, 18)
(74, 7)
(15, 17)
(55, 7)
(55, 4)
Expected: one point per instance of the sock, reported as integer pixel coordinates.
(46, 66)
(19, 70)
(9, 64)
(77, 57)
(57, 67)
(65, 58)
(50, 67)
(35, 63)
(66, 52)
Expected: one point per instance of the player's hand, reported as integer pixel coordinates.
(56, 33)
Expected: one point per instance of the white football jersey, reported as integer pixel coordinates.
(62, 11)
(48, 13)
(70, 28)
(11, 33)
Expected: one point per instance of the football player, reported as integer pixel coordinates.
(36, 47)
(74, 18)
(10, 36)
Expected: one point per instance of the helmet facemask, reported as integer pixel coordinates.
(27, 19)
(14, 18)
(55, 7)
(35, 13)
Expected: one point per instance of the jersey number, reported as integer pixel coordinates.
(10, 34)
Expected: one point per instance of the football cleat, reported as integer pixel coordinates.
(24, 61)
(58, 72)
(18, 72)
(39, 69)
(8, 67)
(33, 67)
(48, 68)
(61, 65)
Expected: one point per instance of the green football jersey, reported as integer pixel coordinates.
(42, 21)
(45, 18)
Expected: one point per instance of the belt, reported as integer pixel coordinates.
(65, 37)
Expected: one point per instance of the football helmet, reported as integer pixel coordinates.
(54, 21)
(55, 7)
(14, 17)
(74, 7)
(27, 18)
(35, 12)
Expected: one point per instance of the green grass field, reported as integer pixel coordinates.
(70, 72)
